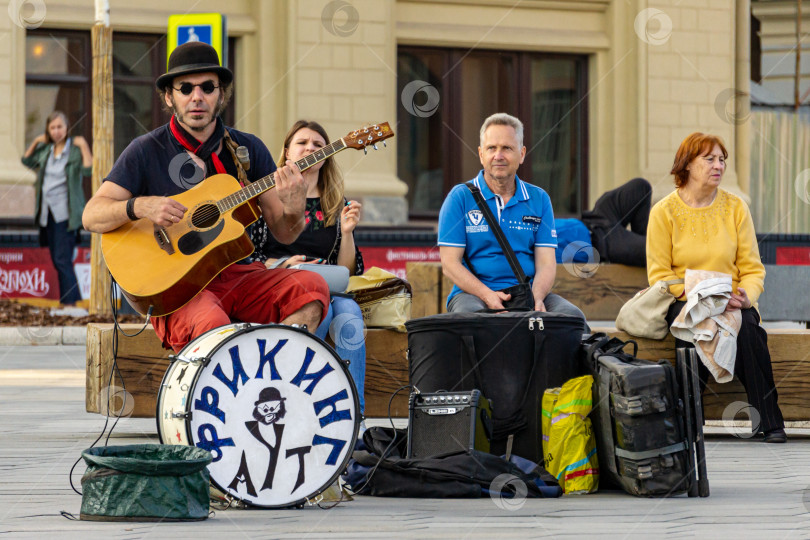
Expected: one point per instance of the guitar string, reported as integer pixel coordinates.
(214, 210)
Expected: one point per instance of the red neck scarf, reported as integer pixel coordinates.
(206, 151)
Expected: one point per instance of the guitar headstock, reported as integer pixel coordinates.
(368, 136)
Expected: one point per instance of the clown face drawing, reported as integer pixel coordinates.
(270, 406)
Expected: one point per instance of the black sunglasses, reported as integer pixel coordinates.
(187, 88)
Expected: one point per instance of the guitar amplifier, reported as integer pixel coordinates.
(445, 422)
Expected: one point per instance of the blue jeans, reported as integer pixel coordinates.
(61, 242)
(344, 323)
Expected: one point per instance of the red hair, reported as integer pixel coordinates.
(695, 145)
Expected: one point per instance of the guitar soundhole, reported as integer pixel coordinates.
(205, 216)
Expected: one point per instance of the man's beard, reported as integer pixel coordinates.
(181, 117)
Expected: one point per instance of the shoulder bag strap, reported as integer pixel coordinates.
(493, 224)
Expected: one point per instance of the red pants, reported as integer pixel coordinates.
(244, 292)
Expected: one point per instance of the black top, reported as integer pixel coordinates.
(156, 163)
(316, 240)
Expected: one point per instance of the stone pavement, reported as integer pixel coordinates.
(758, 490)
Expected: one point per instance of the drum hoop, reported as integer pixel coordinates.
(163, 381)
(338, 470)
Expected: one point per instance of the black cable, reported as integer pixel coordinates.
(368, 479)
(100, 435)
(115, 369)
(390, 445)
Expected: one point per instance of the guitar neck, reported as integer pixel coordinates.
(268, 182)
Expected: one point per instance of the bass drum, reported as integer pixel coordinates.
(274, 405)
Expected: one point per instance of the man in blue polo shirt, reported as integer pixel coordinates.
(525, 216)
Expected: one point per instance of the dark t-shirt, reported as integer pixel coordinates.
(317, 239)
(156, 164)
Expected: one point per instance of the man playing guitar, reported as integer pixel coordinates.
(181, 154)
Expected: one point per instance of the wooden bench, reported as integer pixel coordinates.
(142, 362)
(601, 294)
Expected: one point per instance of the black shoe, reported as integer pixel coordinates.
(776, 436)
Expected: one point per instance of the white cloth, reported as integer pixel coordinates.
(704, 321)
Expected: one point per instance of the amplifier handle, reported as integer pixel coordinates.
(486, 422)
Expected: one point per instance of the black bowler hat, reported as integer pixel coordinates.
(193, 57)
(269, 394)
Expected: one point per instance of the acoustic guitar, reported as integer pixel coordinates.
(162, 268)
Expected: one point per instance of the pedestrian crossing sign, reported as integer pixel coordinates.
(209, 28)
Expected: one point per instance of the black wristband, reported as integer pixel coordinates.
(131, 209)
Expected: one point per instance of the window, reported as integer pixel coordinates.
(138, 59)
(439, 148)
(756, 50)
(59, 70)
(58, 67)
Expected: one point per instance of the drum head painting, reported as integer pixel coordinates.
(276, 408)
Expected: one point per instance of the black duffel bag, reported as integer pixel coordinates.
(511, 357)
(378, 468)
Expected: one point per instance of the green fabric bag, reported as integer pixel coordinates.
(145, 482)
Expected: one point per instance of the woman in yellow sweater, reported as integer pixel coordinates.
(702, 227)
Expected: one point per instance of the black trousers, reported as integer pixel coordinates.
(626, 205)
(752, 367)
(61, 242)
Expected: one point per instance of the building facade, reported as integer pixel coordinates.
(607, 88)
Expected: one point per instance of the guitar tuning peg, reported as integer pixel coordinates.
(375, 146)
(365, 150)
(385, 145)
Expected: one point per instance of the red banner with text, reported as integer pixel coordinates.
(29, 273)
(394, 259)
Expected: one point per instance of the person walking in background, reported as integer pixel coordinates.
(702, 227)
(61, 162)
(328, 238)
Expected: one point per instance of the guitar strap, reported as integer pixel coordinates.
(231, 146)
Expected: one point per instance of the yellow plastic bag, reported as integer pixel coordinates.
(384, 299)
(570, 451)
(549, 400)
